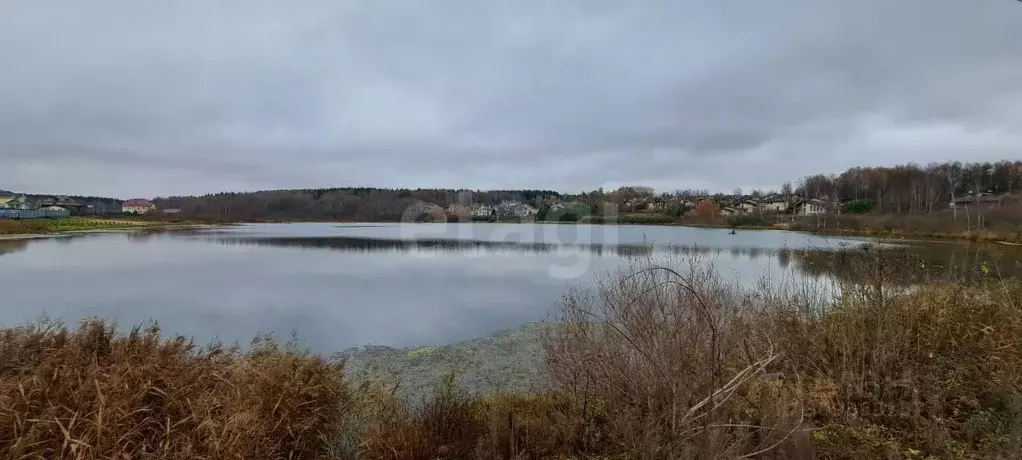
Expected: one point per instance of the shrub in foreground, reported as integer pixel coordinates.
(453, 424)
(93, 393)
(691, 366)
(935, 370)
(666, 360)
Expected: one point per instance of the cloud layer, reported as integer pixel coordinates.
(124, 98)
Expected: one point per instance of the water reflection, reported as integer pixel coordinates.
(903, 264)
(370, 245)
(342, 287)
(12, 246)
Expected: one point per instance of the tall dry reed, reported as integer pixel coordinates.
(91, 392)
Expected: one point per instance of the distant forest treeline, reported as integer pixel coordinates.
(903, 189)
(913, 189)
(352, 203)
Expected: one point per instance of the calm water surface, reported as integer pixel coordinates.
(340, 285)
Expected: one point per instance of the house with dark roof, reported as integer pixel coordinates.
(65, 202)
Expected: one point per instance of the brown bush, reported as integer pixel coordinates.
(93, 393)
(454, 425)
(935, 369)
(690, 366)
(441, 427)
(666, 359)
(526, 427)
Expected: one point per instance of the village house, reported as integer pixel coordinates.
(730, 211)
(515, 209)
(137, 206)
(483, 211)
(17, 202)
(747, 206)
(815, 207)
(658, 205)
(525, 211)
(775, 204)
(65, 202)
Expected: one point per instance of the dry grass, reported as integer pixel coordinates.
(666, 359)
(454, 425)
(22, 227)
(996, 224)
(691, 366)
(935, 370)
(92, 393)
(652, 363)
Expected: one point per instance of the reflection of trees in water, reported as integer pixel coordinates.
(12, 246)
(904, 264)
(352, 244)
(348, 244)
(909, 264)
(367, 245)
(135, 235)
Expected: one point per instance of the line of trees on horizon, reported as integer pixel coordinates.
(900, 189)
(914, 189)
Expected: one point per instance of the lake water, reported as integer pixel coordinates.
(341, 285)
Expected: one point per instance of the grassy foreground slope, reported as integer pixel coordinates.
(655, 363)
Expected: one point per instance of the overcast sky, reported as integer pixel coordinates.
(140, 98)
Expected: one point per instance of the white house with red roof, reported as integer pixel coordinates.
(137, 206)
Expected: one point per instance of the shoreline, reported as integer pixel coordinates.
(926, 237)
(112, 229)
(890, 234)
(969, 236)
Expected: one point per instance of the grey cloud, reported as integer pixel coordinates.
(195, 96)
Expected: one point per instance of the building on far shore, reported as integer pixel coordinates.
(137, 206)
(774, 203)
(816, 207)
(483, 211)
(730, 211)
(72, 206)
(17, 202)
